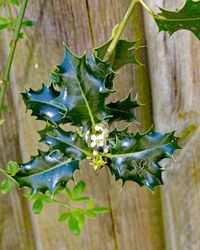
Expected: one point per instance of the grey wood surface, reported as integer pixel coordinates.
(138, 219)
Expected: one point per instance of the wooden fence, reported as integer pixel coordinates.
(139, 220)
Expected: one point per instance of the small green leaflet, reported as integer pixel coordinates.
(187, 18)
(15, 2)
(5, 186)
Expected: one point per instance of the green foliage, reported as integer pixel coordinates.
(1, 3)
(78, 189)
(12, 167)
(6, 186)
(46, 171)
(63, 217)
(37, 206)
(27, 23)
(124, 53)
(6, 23)
(186, 18)
(81, 102)
(78, 96)
(75, 216)
(136, 157)
(15, 2)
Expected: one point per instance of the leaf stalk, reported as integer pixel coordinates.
(120, 29)
(7, 175)
(12, 52)
(147, 7)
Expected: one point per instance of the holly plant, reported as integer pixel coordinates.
(77, 95)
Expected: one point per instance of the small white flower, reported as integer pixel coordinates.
(100, 137)
(93, 144)
(98, 128)
(95, 152)
(101, 143)
(93, 137)
(87, 133)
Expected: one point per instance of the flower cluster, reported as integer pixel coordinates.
(97, 138)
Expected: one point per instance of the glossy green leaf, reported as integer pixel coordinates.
(45, 106)
(121, 110)
(63, 217)
(123, 54)
(100, 210)
(70, 144)
(6, 186)
(79, 189)
(15, 2)
(12, 167)
(83, 91)
(136, 157)
(187, 18)
(37, 207)
(27, 23)
(73, 225)
(46, 172)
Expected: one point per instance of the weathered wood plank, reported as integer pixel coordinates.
(135, 221)
(15, 220)
(135, 210)
(174, 66)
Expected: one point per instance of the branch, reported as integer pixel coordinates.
(12, 51)
(120, 30)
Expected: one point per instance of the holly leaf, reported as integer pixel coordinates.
(188, 18)
(136, 157)
(45, 106)
(83, 90)
(70, 144)
(46, 171)
(121, 110)
(123, 54)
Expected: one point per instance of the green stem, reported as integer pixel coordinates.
(10, 12)
(7, 175)
(147, 7)
(12, 51)
(62, 204)
(120, 30)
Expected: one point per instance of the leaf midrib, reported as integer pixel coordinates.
(49, 169)
(82, 150)
(84, 97)
(176, 20)
(113, 156)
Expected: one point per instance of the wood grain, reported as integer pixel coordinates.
(135, 221)
(174, 66)
(15, 218)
